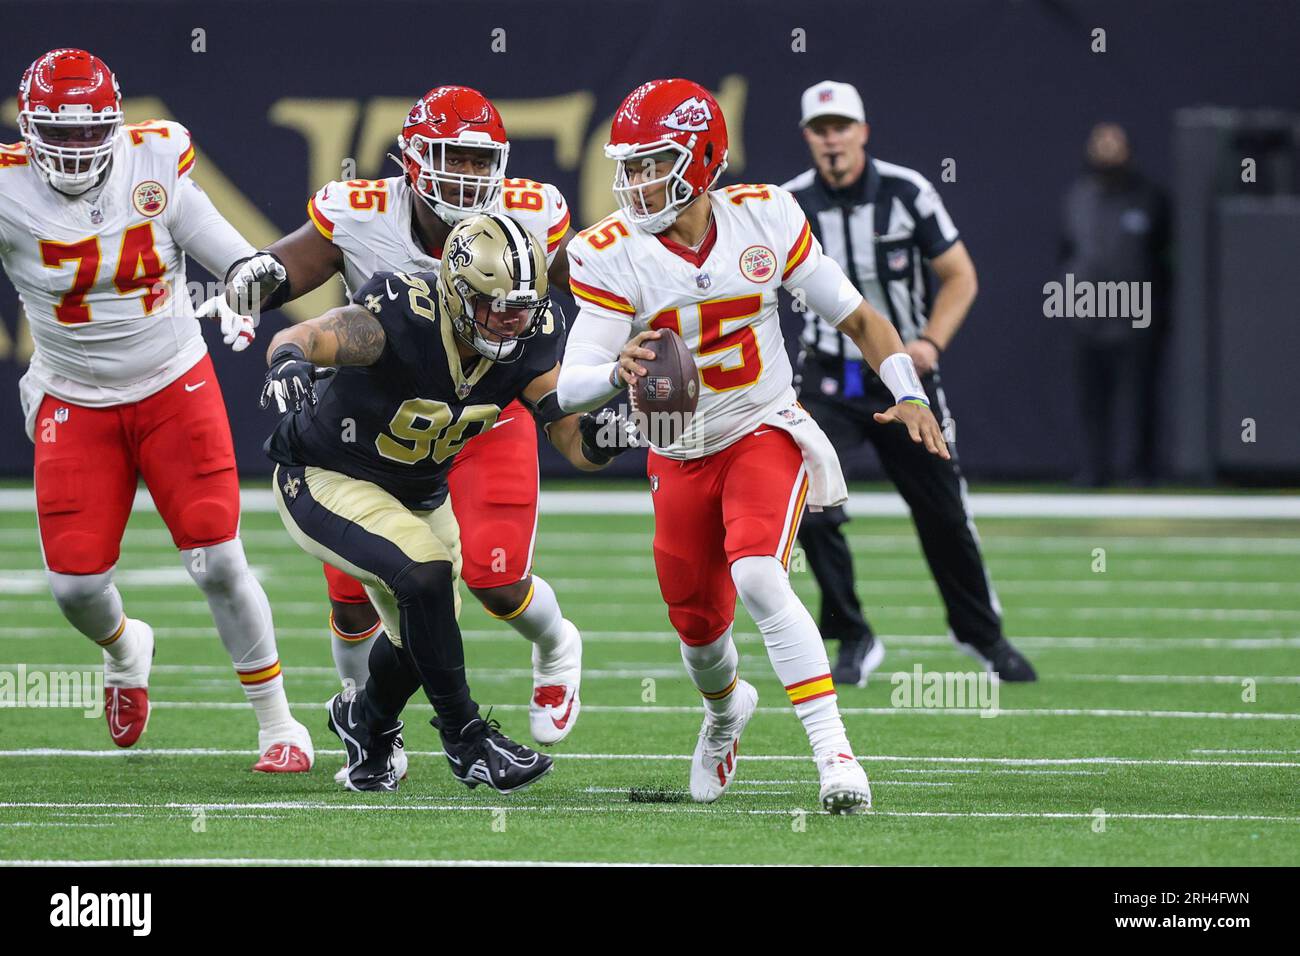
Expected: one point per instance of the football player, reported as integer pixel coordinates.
(96, 218)
(729, 491)
(425, 362)
(453, 151)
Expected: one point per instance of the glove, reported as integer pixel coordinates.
(606, 435)
(253, 283)
(291, 378)
(236, 330)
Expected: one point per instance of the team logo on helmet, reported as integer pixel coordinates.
(690, 116)
(149, 198)
(758, 263)
(458, 254)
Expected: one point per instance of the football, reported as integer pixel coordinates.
(665, 398)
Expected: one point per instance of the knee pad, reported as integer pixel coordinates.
(71, 591)
(762, 584)
(218, 567)
(206, 519)
(423, 582)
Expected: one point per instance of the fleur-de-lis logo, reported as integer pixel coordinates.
(459, 256)
(291, 486)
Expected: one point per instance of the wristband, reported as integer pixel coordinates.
(937, 347)
(287, 352)
(899, 375)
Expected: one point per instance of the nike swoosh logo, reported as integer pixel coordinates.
(763, 431)
(502, 421)
(190, 388)
(115, 726)
(559, 724)
(391, 293)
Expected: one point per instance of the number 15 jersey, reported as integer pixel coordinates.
(721, 299)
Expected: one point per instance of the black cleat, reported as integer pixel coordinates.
(485, 755)
(375, 761)
(1003, 660)
(857, 660)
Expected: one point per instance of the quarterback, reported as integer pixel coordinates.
(96, 218)
(417, 367)
(729, 491)
(453, 150)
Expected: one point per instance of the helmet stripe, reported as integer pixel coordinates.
(520, 250)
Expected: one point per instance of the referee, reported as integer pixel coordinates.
(883, 224)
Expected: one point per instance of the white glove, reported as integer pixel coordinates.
(262, 273)
(236, 330)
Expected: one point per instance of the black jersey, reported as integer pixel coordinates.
(400, 422)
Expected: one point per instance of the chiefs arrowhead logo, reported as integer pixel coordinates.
(690, 116)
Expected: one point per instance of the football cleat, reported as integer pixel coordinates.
(713, 765)
(857, 660)
(375, 761)
(553, 710)
(126, 686)
(1001, 660)
(285, 749)
(399, 760)
(485, 755)
(844, 784)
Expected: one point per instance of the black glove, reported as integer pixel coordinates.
(606, 435)
(291, 378)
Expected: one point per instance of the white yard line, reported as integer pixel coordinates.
(506, 636)
(874, 504)
(979, 762)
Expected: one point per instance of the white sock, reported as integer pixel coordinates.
(91, 603)
(539, 620)
(242, 615)
(352, 653)
(795, 649)
(712, 669)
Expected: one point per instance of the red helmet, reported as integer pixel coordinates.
(454, 116)
(666, 116)
(69, 108)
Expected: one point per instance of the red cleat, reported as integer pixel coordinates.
(127, 711)
(283, 758)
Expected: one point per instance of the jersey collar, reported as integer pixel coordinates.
(686, 252)
(455, 367)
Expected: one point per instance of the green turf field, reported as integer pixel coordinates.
(1136, 747)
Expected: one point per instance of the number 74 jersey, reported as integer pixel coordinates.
(721, 299)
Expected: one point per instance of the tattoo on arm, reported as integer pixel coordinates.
(358, 336)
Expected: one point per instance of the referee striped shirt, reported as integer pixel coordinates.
(881, 230)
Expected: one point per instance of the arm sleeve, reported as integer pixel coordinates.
(589, 360)
(203, 232)
(935, 233)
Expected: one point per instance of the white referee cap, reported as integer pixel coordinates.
(829, 98)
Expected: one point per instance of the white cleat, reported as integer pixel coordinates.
(844, 784)
(126, 685)
(285, 749)
(554, 707)
(713, 765)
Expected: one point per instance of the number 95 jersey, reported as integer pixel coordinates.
(400, 422)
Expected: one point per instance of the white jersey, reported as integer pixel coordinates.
(722, 300)
(369, 220)
(102, 276)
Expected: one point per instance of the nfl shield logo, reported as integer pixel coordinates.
(897, 260)
(61, 414)
(703, 281)
(462, 389)
(96, 217)
(654, 483)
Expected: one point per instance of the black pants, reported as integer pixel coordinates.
(934, 491)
